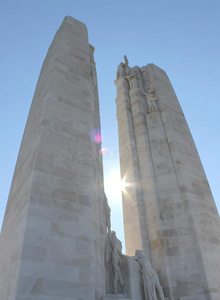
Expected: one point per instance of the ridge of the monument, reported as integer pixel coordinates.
(73, 20)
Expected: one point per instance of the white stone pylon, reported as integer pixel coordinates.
(53, 236)
(169, 211)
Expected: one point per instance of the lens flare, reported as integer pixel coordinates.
(103, 150)
(123, 185)
(95, 135)
(98, 138)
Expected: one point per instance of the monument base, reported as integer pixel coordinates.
(115, 297)
(211, 296)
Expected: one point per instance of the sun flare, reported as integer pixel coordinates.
(123, 185)
(114, 186)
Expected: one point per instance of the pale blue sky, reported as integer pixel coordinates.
(181, 37)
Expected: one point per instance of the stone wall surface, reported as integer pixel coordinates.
(114, 297)
(53, 236)
(168, 207)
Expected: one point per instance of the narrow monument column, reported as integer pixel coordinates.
(129, 168)
(179, 218)
(53, 237)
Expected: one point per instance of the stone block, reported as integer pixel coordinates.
(115, 297)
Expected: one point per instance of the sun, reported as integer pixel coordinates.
(123, 185)
(114, 186)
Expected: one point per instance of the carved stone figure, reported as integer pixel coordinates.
(120, 71)
(133, 82)
(126, 66)
(123, 69)
(152, 287)
(151, 100)
(118, 277)
(126, 60)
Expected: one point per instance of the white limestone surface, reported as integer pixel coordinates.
(169, 211)
(53, 235)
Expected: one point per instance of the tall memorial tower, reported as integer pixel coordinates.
(52, 242)
(169, 211)
(56, 241)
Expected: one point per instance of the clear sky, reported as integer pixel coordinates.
(180, 36)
